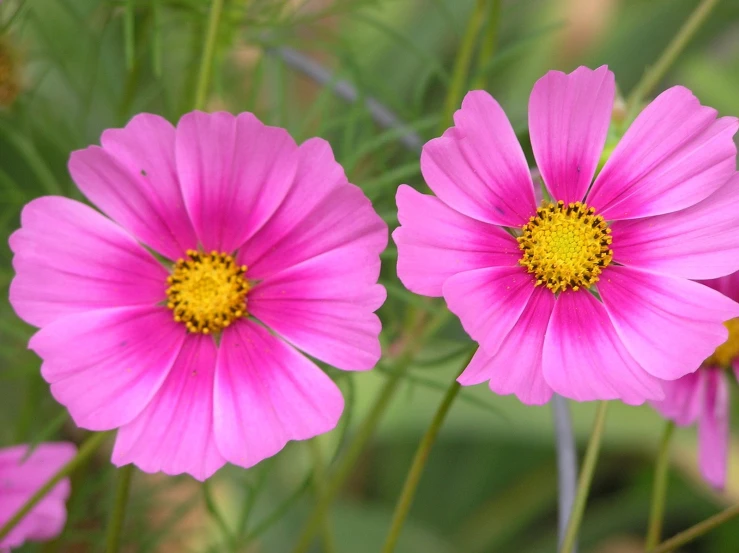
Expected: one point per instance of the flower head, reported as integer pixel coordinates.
(590, 294)
(703, 397)
(262, 249)
(21, 475)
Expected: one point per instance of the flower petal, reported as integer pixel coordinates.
(235, 171)
(327, 313)
(436, 242)
(266, 394)
(728, 285)
(70, 258)
(516, 368)
(321, 212)
(133, 181)
(489, 302)
(713, 429)
(174, 433)
(105, 366)
(684, 397)
(675, 154)
(569, 115)
(20, 478)
(584, 358)
(670, 325)
(699, 242)
(478, 167)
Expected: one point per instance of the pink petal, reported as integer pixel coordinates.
(684, 397)
(478, 167)
(325, 306)
(20, 478)
(489, 302)
(670, 325)
(235, 172)
(584, 358)
(698, 242)
(105, 366)
(436, 242)
(174, 433)
(728, 285)
(569, 115)
(713, 429)
(69, 259)
(266, 394)
(516, 368)
(321, 212)
(675, 154)
(133, 181)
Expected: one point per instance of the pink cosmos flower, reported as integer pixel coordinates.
(20, 478)
(587, 295)
(703, 396)
(179, 318)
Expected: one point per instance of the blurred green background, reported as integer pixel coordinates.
(71, 68)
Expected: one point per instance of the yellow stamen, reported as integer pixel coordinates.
(207, 292)
(729, 350)
(565, 246)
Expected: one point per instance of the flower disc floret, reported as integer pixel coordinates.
(565, 246)
(207, 292)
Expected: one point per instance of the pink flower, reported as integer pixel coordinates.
(20, 478)
(523, 280)
(703, 396)
(196, 361)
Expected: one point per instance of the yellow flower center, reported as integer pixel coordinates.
(207, 292)
(565, 246)
(729, 350)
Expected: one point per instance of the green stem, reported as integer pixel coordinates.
(85, 451)
(212, 508)
(489, 41)
(419, 463)
(698, 530)
(462, 65)
(659, 488)
(586, 477)
(365, 432)
(118, 515)
(418, 331)
(319, 483)
(654, 75)
(206, 62)
(129, 33)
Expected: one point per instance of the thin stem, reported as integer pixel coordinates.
(586, 477)
(319, 483)
(489, 42)
(659, 488)
(418, 331)
(118, 515)
(566, 463)
(654, 75)
(206, 62)
(85, 451)
(697, 531)
(345, 90)
(365, 432)
(129, 33)
(212, 508)
(419, 463)
(462, 65)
